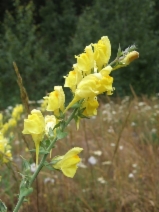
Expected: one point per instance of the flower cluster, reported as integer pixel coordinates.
(38, 126)
(90, 77)
(12, 121)
(5, 153)
(91, 74)
(5, 148)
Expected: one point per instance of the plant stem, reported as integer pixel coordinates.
(71, 117)
(41, 164)
(20, 201)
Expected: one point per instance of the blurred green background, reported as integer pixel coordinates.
(42, 37)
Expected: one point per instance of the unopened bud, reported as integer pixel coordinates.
(131, 57)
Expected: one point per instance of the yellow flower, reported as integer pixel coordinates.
(5, 153)
(5, 128)
(44, 105)
(12, 122)
(91, 105)
(91, 86)
(8, 156)
(88, 86)
(56, 100)
(50, 122)
(106, 85)
(73, 78)
(17, 112)
(85, 61)
(68, 162)
(35, 126)
(102, 52)
(106, 71)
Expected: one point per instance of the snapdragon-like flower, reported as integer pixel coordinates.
(91, 86)
(90, 105)
(73, 78)
(102, 52)
(17, 111)
(35, 126)
(68, 162)
(50, 122)
(85, 61)
(56, 100)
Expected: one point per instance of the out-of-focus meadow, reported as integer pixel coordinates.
(119, 168)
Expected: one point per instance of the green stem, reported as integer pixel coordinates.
(71, 117)
(21, 199)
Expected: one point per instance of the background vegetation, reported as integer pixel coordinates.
(120, 163)
(42, 37)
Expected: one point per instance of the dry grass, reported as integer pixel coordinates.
(123, 143)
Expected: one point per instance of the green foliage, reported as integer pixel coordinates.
(20, 43)
(125, 23)
(38, 50)
(3, 208)
(57, 27)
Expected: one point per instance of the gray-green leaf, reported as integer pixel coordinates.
(3, 207)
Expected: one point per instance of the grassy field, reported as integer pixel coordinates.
(120, 163)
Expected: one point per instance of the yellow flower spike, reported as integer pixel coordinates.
(56, 100)
(68, 163)
(5, 153)
(73, 78)
(35, 126)
(91, 105)
(5, 128)
(102, 52)
(85, 61)
(50, 122)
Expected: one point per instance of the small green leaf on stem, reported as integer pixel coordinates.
(25, 165)
(60, 134)
(3, 207)
(25, 191)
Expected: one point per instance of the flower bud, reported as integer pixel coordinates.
(130, 57)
